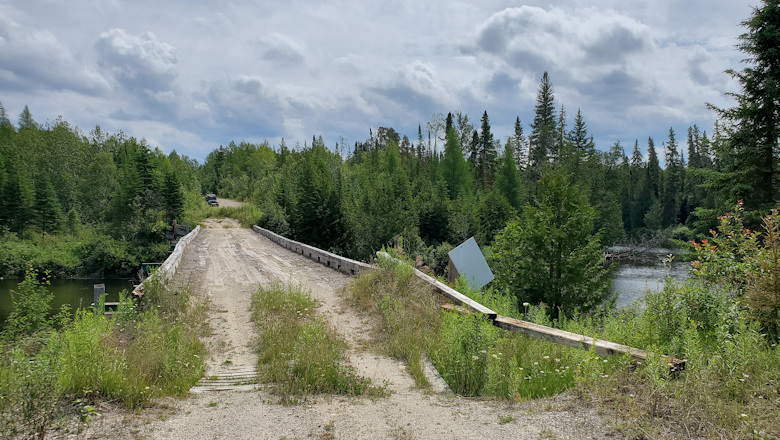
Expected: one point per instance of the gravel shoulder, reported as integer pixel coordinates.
(225, 263)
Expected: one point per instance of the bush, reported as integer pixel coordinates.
(31, 305)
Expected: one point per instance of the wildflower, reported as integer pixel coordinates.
(547, 357)
(475, 357)
(525, 304)
(743, 415)
(557, 360)
(484, 352)
(536, 363)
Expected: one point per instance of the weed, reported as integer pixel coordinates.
(297, 351)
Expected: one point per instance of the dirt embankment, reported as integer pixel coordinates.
(226, 263)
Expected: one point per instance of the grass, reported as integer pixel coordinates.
(297, 351)
(407, 313)
(730, 389)
(138, 355)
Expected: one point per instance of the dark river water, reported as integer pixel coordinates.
(77, 293)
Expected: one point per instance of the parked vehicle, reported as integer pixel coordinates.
(211, 199)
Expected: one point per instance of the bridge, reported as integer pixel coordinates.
(226, 263)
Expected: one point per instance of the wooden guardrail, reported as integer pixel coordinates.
(468, 305)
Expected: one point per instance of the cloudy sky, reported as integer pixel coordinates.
(191, 75)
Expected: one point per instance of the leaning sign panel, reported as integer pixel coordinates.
(467, 260)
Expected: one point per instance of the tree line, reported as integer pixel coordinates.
(109, 197)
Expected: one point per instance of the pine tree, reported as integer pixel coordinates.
(753, 144)
(26, 120)
(542, 139)
(520, 146)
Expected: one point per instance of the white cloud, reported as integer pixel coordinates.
(33, 59)
(138, 62)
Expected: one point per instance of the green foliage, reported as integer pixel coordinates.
(297, 350)
(131, 359)
(31, 306)
(725, 258)
(551, 254)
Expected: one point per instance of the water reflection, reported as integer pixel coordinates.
(76, 293)
(632, 280)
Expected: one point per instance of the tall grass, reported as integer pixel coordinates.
(138, 355)
(730, 388)
(298, 352)
(407, 313)
(197, 210)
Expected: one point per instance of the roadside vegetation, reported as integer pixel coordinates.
(51, 368)
(298, 352)
(722, 322)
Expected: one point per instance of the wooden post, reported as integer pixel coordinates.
(98, 290)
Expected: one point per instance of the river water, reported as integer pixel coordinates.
(631, 280)
(76, 293)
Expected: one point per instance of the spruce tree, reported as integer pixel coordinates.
(454, 169)
(26, 120)
(508, 182)
(47, 210)
(486, 153)
(753, 144)
(542, 138)
(520, 146)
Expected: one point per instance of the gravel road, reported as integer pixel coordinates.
(226, 263)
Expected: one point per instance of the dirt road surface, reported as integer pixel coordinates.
(227, 263)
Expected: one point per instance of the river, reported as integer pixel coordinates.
(77, 293)
(631, 280)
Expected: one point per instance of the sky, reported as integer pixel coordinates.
(191, 75)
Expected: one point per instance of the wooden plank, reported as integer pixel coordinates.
(569, 339)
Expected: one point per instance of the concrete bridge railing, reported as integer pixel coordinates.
(167, 269)
(336, 262)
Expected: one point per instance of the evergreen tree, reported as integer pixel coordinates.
(551, 254)
(174, 198)
(47, 210)
(486, 153)
(753, 143)
(5, 123)
(508, 182)
(26, 120)
(520, 146)
(454, 168)
(653, 170)
(672, 183)
(542, 138)
(561, 153)
(581, 142)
